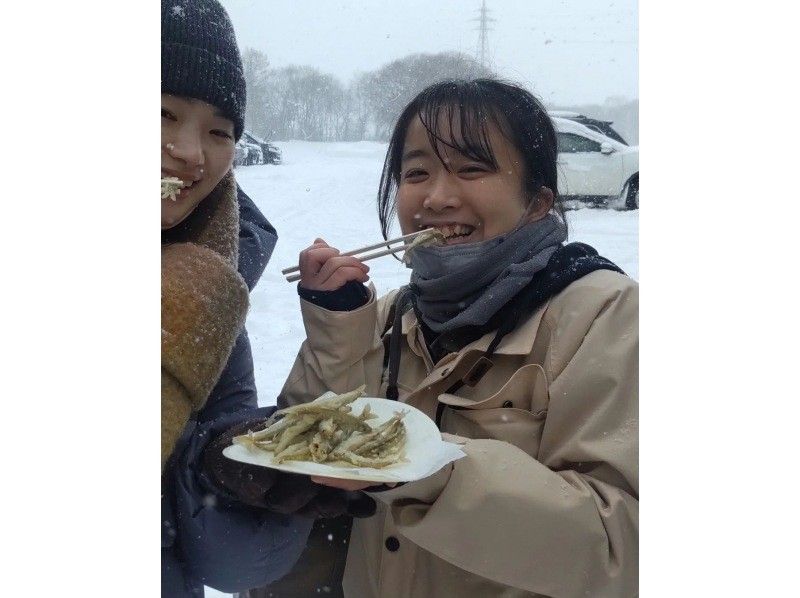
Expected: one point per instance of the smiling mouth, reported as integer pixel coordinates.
(454, 233)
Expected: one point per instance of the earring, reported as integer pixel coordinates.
(202, 170)
(170, 147)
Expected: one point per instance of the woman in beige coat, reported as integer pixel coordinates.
(521, 348)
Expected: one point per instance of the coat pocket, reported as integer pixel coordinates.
(514, 414)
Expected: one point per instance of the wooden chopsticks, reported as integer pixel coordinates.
(364, 258)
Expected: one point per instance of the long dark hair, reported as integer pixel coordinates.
(466, 106)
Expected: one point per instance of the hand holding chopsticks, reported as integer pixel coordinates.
(362, 258)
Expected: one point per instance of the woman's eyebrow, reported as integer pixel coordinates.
(414, 153)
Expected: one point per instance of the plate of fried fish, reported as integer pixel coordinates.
(348, 436)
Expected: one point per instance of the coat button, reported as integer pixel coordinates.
(508, 404)
(392, 544)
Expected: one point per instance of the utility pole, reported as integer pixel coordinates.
(483, 38)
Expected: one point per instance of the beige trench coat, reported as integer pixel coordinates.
(546, 500)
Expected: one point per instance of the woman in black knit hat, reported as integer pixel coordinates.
(224, 524)
(215, 244)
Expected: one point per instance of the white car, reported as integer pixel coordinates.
(595, 168)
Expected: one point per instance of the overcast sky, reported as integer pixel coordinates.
(566, 51)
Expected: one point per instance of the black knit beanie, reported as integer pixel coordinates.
(200, 58)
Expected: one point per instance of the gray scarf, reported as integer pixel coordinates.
(465, 285)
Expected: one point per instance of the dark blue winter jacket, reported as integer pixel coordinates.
(205, 540)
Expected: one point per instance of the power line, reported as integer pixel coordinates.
(483, 36)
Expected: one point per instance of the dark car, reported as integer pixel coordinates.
(601, 126)
(247, 154)
(239, 153)
(270, 153)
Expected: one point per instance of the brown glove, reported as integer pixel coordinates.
(203, 306)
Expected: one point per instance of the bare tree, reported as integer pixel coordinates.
(256, 73)
(392, 86)
(360, 111)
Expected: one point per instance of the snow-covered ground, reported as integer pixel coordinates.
(329, 190)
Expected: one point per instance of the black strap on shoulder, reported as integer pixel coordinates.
(391, 359)
(386, 328)
(389, 319)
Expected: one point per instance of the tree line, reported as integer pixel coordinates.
(302, 102)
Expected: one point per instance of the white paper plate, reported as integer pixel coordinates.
(426, 452)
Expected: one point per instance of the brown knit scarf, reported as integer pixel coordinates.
(204, 301)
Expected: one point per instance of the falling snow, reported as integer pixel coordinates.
(341, 210)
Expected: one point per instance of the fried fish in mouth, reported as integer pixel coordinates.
(325, 431)
(170, 187)
(427, 238)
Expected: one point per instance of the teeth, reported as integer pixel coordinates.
(455, 230)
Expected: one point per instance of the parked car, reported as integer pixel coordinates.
(595, 168)
(247, 154)
(270, 153)
(254, 155)
(240, 152)
(251, 150)
(601, 126)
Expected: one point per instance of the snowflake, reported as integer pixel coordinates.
(178, 10)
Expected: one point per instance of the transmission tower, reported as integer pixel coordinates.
(483, 38)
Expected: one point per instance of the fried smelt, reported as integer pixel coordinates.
(295, 430)
(429, 237)
(170, 187)
(296, 451)
(327, 401)
(360, 461)
(327, 430)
